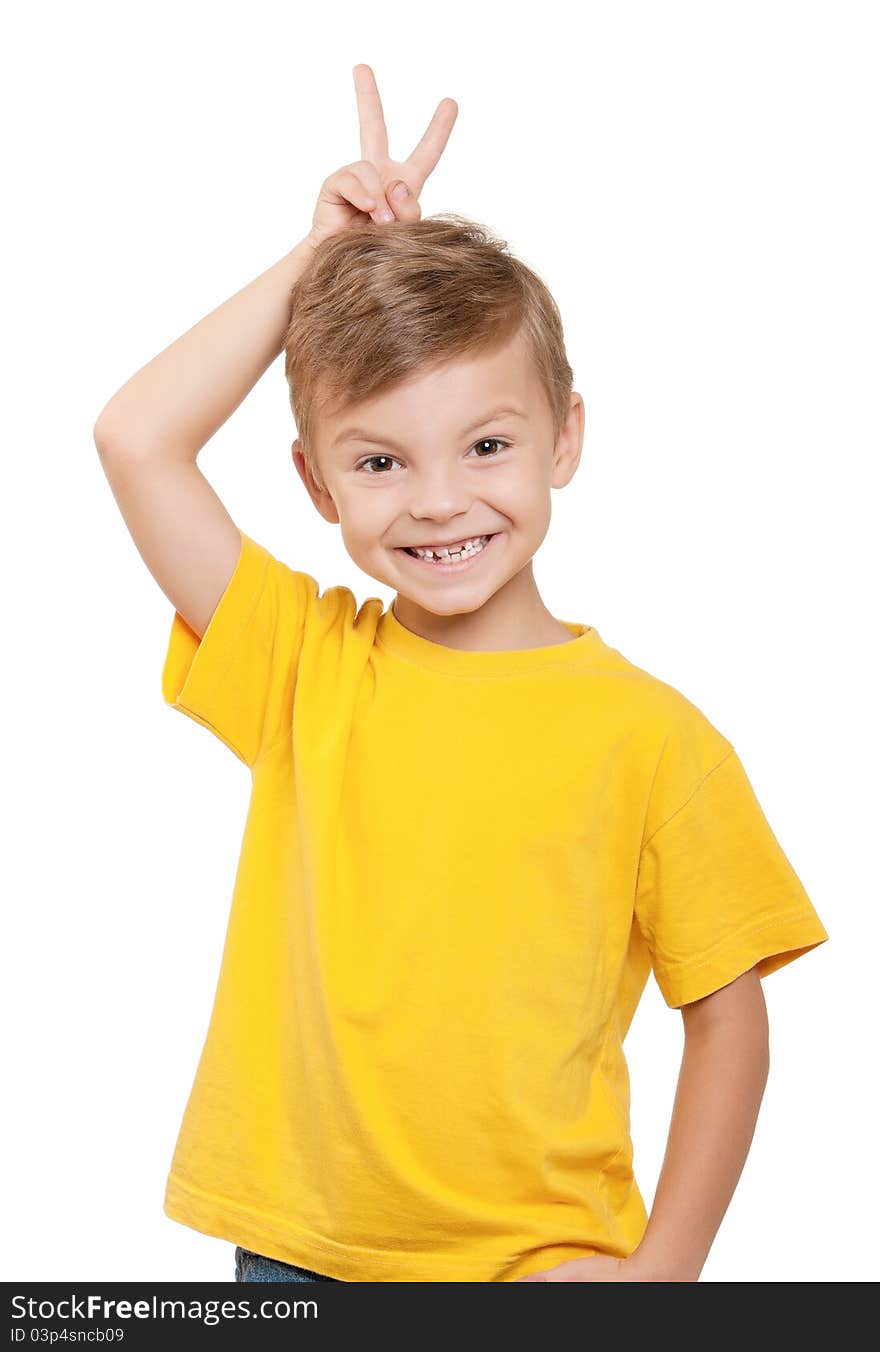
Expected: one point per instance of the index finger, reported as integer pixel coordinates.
(433, 143)
(374, 136)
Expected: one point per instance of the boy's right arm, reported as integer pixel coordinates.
(150, 433)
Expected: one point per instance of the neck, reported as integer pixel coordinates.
(513, 617)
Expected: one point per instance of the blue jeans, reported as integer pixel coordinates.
(254, 1267)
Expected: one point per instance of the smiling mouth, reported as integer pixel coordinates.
(449, 559)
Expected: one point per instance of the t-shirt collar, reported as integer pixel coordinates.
(404, 643)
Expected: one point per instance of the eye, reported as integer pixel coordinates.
(385, 461)
(369, 460)
(489, 441)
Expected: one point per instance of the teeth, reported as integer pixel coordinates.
(444, 553)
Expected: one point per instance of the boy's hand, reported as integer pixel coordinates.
(597, 1269)
(366, 187)
(602, 1268)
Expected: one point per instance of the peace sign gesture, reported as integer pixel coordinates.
(368, 187)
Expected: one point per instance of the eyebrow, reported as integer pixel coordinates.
(362, 434)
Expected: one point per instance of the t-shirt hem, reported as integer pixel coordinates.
(272, 1237)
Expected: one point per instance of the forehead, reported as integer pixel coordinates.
(447, 395)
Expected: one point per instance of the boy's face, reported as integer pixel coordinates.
(422, 465)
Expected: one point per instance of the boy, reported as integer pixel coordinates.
(474, 828)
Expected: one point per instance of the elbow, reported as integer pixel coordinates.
(112, 433)
(101, 435)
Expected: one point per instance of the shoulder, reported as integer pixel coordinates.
(319, 605)
(678, 741)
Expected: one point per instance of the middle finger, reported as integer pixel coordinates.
(374, 136)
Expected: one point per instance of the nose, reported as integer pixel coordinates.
(438, 493)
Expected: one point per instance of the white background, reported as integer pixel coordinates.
(697, 184)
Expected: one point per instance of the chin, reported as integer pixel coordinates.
(434, 605)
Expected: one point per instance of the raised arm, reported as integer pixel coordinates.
(150, 433)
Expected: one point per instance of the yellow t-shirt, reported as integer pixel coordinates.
(457, 871)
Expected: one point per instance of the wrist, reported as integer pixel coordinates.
(648, 1263)
(299, 257)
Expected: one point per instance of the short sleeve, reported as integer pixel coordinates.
(716, 895)
(238, 679)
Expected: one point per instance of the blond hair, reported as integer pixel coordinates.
(378, 303)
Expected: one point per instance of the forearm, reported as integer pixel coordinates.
(723, 1075)
(178, 400)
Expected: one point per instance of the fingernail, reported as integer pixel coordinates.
(400, 192)
(385, 215)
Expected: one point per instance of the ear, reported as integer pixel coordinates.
(319, 495)
(567, 452)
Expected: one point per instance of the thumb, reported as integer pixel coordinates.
(403, 204)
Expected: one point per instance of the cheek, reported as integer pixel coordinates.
(364, 521)
(526, 503)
